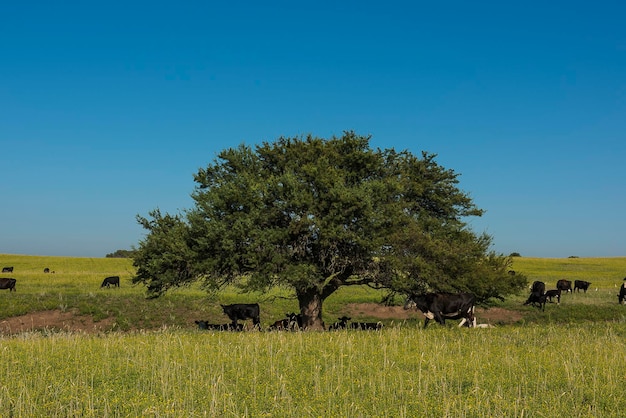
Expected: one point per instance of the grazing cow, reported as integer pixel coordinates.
(564, 285)
(8, 283)
(7, 269)
(341, 324)
(439, 306)
(204, 325)
(554, 293)
(46, 270)
(367, 326)
(622, 293)
(537, 295)
(243, 311)
(111, 281)
(581, 284)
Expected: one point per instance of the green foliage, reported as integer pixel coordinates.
(121, 254)
(163, 257)
(317, 215)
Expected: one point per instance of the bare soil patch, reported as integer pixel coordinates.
(71, 321)
(54, 320)
(493, 316)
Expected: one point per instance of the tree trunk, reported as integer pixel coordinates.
(310, 301)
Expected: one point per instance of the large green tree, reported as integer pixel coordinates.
(315, 215)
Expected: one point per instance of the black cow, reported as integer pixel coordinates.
(7, 283)
(622, 293)
(537, 300)
(554, 293)
(46, 270)
(111, 281)
(367, 326)
(538, 287)
(581, 284)
(341, 324)
(7, 269)
(442, 306)
(243, 311)
(564, 285)
(537, 295)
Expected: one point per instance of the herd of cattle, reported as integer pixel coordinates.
(292, 321)
(438, 306)
(9, 283)
(539, 296)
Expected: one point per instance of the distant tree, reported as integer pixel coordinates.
(316, 215)
(515, 255)
(121, 254)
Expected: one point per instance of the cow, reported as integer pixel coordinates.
(280, 325)
(111, 281)
(341, 324)
(537, 295)
(8, 283)
(7, 269)
(243, 311)
(581, 284)
(442, 306)
(367, 326)
(538, 287)
(564, 285)
(621, 297)
(46, 270)
(292, 322)
(554, 293)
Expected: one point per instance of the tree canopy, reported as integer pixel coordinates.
(318, 214)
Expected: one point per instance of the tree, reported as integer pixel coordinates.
(317, 215)
(121, 254)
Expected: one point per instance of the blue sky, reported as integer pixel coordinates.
(108, 109)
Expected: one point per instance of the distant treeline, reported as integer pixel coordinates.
(121, 254)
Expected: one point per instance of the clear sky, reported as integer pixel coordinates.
(107, 109)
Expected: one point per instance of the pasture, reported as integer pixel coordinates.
(150, 360)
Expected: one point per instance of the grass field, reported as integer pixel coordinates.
(566, 360)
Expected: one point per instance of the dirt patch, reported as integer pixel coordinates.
(54, 320)
(497, 316)
(493, 316)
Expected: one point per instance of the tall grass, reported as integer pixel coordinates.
(566, 360)
(515, 371)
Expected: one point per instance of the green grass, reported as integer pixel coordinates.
(566, 360)
(400, 372)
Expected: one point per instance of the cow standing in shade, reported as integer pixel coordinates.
(243, 311)
(442, 306)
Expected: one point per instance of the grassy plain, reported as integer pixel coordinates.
(568, 359)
